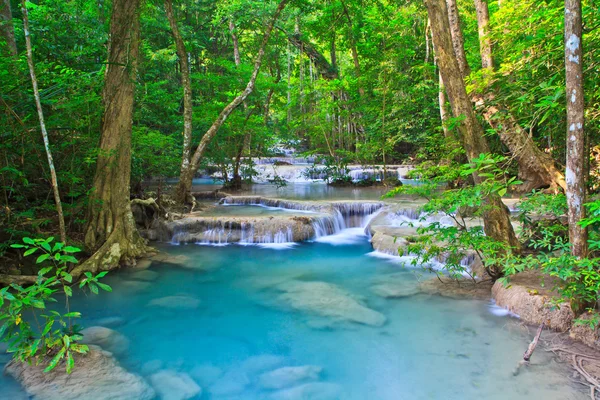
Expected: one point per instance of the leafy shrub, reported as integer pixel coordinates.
(33, 331)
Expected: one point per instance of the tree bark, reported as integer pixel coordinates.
(576, 140)
(443, 111)
(496, 217)
(185, 182)
(7, 29)
(187, 96)
(40, 112)
(111, 230)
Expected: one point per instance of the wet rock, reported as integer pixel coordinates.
(143, 264)
(388, 244)
(288, 376)
(232, 383)
(106, 338)
(172, 385)
(312, 391)
(96, 375)
(170, 259)
(144, 275)
(328, 300)
(206, 374)
(176, 302)
(264, 362)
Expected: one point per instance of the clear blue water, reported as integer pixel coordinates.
(430, 347)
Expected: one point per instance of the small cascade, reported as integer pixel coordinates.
(266, 202)
(345, 216)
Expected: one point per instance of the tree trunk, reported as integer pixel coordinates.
(38, 105)
(458, 42)
(326, 70)
(353, 49)
(185, 182)
(111, 230)
(187, 96)
(496, 216)
(576, 148)
(536, 168)
(7, 29)
(443, 111)
(485, 44)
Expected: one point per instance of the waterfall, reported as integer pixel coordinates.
(267, 202)
(346, 215)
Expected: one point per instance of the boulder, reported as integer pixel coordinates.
(96, 375)
(328, 300)
(312, 391)
(176, 302)
(288, 376)
(110, 340)
(173, 385)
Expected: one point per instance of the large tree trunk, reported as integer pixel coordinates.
(185, 182)
(458, 42)
(38, 105)
(496, 217)
(576, 148)
(111, 230)
(7, 29)
(187, 95)
(536, 168)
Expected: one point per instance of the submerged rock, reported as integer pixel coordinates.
(328, 300)
(96, 375)
(312, 391)
(173, 385)
(111, 322)
(394, 290)
(261, 363)
(110, 340)
(288, 376)
(134, 286)
(176, 302)
(232, 383)
(144, 275)
(206, 374)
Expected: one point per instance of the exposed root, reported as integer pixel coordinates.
(18, 279)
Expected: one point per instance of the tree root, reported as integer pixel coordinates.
(18, 279)
(577, 362)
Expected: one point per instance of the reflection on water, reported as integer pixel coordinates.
(319, 309)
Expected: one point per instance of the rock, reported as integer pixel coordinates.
(394, 290)
(328, 300)
(106, 338)
(151, 367)
(232, 383)
(288, 376)
(312, 391)
(144, 275)
(176, 302)
(165, 258)
(261, 363)
(387, 244)
(206, 374)
(585, 333)
(96, 375)
(172, 385)
(110, 322)
(460, 289)
(526, 298)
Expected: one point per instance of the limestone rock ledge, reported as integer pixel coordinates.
(97, 375)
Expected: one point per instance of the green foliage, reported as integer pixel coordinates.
(34, 331)
(452, 242)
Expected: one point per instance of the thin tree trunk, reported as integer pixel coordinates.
(236, 44)
(38, 105)
(187, 96)
(7, 29)
(185, 183)
(496, 217)
(442, 101)
(576, 140)
(111, 230)
(485, 44)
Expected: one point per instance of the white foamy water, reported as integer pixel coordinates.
(344, 237)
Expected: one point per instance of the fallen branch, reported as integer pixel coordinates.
(530, 349)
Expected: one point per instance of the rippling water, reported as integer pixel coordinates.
(252, 318)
